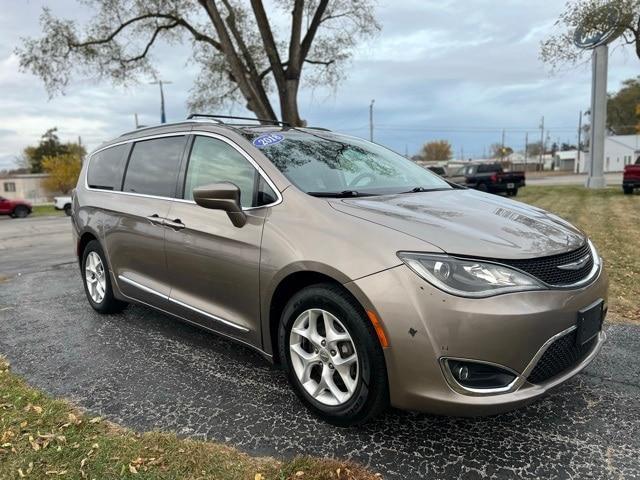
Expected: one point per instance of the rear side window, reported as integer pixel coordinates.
(106, 168)
(153, 166)
(214, 161)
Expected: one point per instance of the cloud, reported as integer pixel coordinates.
(462, 70)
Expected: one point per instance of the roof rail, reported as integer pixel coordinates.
(231, 117)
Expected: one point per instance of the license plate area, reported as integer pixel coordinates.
(511, 185)
(589, 322)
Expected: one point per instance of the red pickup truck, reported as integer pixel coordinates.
(631, 178)
(15, 208)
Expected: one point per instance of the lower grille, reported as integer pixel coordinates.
(562, 355)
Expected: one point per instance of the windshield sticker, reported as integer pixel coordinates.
(267, 140)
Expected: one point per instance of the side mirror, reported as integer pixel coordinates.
(222, 196)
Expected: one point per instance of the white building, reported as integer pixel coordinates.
(619, 150)
(26, 186)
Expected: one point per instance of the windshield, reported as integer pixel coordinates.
(326, 163)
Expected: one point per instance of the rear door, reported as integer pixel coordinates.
(134, 236)
(213, 265)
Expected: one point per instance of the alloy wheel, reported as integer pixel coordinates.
(324, 357)
(95, 277)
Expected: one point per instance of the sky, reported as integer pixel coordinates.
(459, 70)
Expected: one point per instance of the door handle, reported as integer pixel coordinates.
(175, 224)
(155, 219)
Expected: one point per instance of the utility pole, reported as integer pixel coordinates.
(371, 120)
(600, 61)
(163, 116)
(502, 147)
(577, 167)
(541, 144)
(526, 149)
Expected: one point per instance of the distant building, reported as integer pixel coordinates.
(566, 161)
(619, 150)
(25, 186)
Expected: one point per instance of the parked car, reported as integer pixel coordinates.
(370, 279)
(631, 177)
(15, 208)
(490, 177)
(62, 203)
(438, 170)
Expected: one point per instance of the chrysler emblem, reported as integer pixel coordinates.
(575, 265)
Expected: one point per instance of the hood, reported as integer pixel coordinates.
(471, 223)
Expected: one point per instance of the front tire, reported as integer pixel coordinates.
(97, 282)
(332, 356)
(67, 210)
(20, 212)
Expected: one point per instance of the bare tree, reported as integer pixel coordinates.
(245, 53)
(595, 15)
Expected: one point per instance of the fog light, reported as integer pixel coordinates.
(480, 376)
(462, 373)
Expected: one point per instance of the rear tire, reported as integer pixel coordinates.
(345, 391)
(20, 212)
(628, 190)
(97, 281)
(512, 193)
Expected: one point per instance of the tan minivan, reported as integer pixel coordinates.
(371, 280)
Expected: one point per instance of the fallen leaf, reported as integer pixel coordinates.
(133, 469)
(95, 420)
(258, 477)
(299, 473)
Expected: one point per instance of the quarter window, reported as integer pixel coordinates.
(9, 187)
(214, 161)
(153, 166)
(106, 168)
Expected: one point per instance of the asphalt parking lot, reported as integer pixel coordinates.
(148, 371)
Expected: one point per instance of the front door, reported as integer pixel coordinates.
(5, 206)
(213, 265)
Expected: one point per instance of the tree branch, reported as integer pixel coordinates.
(269, 43)
(294, 42)
(326, 63)
(313, 28)
(149, 44)
(177, 20)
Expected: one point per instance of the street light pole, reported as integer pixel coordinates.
(163, 116)
(371, 120)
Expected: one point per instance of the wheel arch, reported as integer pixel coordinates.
(287, 285)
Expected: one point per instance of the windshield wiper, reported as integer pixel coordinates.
(422, 189)
(342, 194)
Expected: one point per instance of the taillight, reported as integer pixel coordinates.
(494, 178)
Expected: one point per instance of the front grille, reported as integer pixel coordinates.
(546, 268)
(562, 355)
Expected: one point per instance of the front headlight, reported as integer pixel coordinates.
(468, 278)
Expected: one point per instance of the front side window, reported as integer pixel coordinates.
(215, 161)
(325, 163)
(107, 167)
(153, 166)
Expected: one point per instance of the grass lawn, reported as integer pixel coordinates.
(612, 220)
(46, 210)
(44, 438)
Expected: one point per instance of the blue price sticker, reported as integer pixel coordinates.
(267, 140)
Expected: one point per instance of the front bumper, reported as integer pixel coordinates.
(425, 325)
